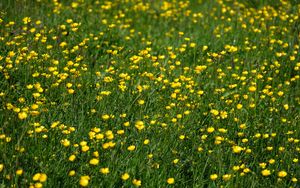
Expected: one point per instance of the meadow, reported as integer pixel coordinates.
(149, 93)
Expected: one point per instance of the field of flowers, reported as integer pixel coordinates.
(150, 93)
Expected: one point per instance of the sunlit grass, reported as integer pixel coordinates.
(149, 93)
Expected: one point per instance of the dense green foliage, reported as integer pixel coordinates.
(165, 93)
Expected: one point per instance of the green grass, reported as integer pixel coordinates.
(213, 86)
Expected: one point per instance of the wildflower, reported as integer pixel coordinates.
(170, 180)
(246, 170)
(126, 124)
(266, 172)
(43, 177)
(94, 161)
(213, 177)
(105, 117)
(19, 172)
(214, 112)
(38, 185)
(137, 182)
(65, 142)
(237, 149)
(26, 20)
(235, 168)
(272, 161)
(223, 114)
(22, 115)
(72, 158)
(84, 181)
(252, 88)
(72, 173)
(239, 106)
(125, 176)
(282, 174)
(131, 148)
(280, 93)
(210, 129)
(199, 149)
(1, 167)
(104, 170)
(139, 125)
(146, 141)
(36, 177)
(141, 102)
(226, 177)
(204, 48)
(85, 148)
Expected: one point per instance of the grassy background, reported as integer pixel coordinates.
(190, 62)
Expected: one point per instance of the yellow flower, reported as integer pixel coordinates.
(1, 167)
(210, 129)
(19, 172)
(282, 174)
(252, 88)
(125, 176)
(26, 20)
(65, 142)
(280, 93)
(170, 180)
(239, 106)
(204, 48)
(262, 165)
(84, 181)
(105, 117)
(131, 148)
(38, 185)
(192, 45)
(69, 85)
(72, 173)
(139, 125)
(146, 141)
(246, 170)
(237, 149)
(85, 148)
(200, 149)
(223, 114)
(36, 177)
(150, 156)
(22, 115)
(213, 176)
(181, 137)
(71, 91)
(294, 179)
(226, 177)
(72, 158)
(175, 161)
(126, 124)
(94, 161)
(272, 161)
(43, 177)
(235, 168)
(214, 112)
(141, 102)
(266, 172)
(137, 182)
(104, 170)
